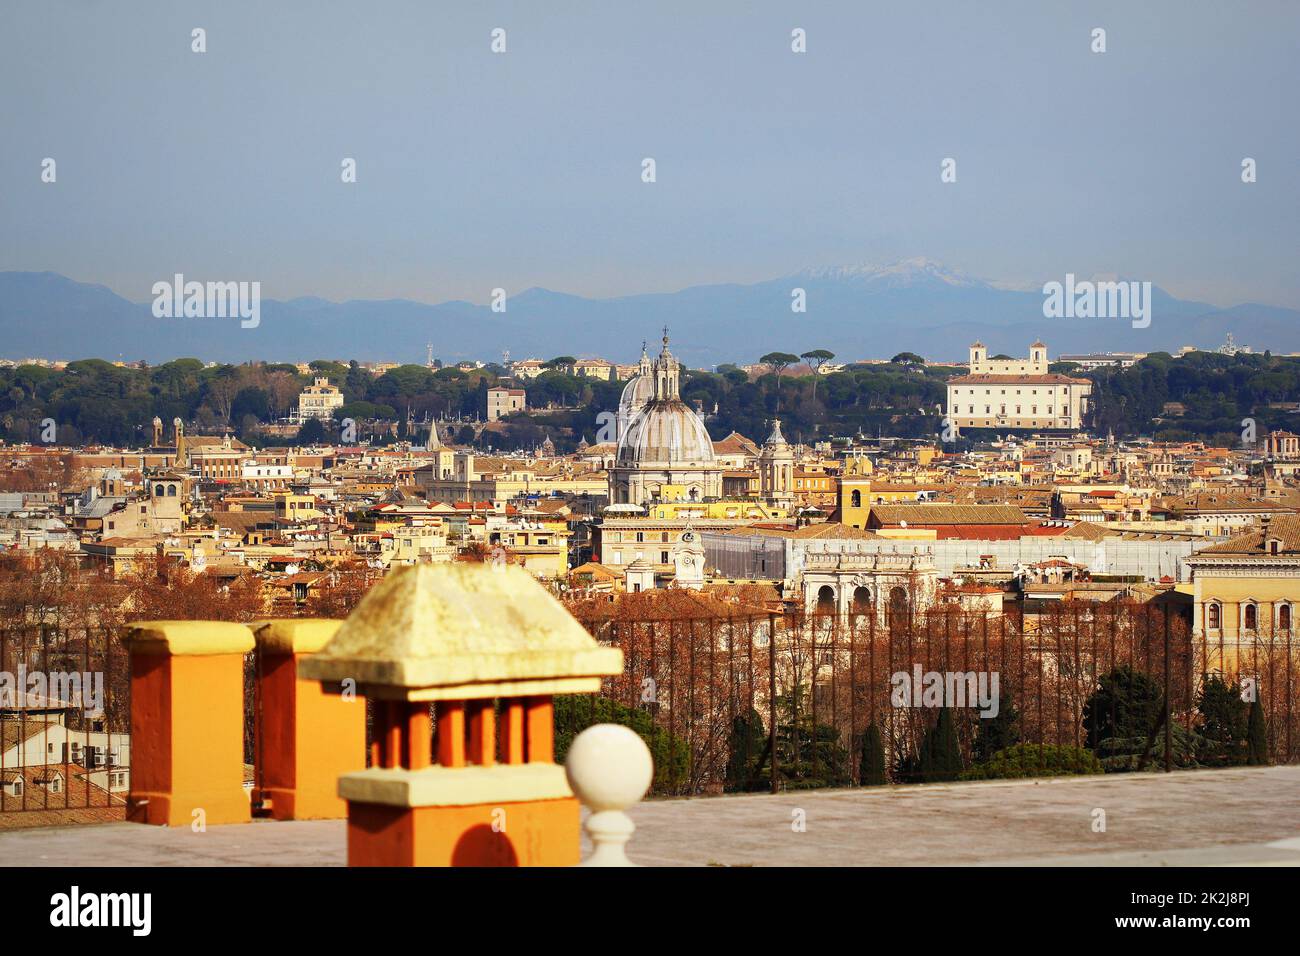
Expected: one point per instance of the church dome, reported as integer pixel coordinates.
(637, 393)
(665, 432)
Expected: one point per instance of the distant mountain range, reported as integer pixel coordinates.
(915, 305)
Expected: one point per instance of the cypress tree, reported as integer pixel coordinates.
(940, 754)
(997, 733)
(871, 768)
(747, 748)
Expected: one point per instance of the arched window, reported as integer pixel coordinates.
(158, 491)
(1284, 617)
(1212, 614)
(826, 599)
(171, 491)
(1251, 617)
(861, 599)
(855, 499)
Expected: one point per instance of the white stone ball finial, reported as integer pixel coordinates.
(609, 768)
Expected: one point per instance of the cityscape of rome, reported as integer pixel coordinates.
(551, 510)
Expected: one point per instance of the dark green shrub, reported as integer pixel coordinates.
(809, 755)
(1224, 718)
(1189, 749)
(995, 734)
(1126, 704)
(1035, 760)
(574, 713)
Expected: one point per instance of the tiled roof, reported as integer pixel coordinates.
(1286, 528)
(735, 444)
(1088, 531)
(1220, 501)
(14, 731)
(78, 800)
(945, 514)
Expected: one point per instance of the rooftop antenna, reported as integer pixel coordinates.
(505, 358)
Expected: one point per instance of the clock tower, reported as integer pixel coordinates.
(688, 560)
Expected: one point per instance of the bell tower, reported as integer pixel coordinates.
(776, 468)
(688, 561)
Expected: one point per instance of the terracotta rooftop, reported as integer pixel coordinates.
(1285, 528)
(78, 800)
(735, 444)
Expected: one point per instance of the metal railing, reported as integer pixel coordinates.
(772, 701)
(65, 713)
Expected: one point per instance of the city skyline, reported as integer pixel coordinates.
(746, 434)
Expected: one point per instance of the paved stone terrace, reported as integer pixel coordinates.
(1218, 817)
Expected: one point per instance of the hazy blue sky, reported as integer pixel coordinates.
(478, 170)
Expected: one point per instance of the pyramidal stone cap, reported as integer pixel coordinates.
(462, 631)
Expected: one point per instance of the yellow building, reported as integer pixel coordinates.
(295, 507)
(722, 509)
(543, 552)
(319, 400)
(857, 495)
(1247, 589)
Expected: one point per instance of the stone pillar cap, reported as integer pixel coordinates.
(188, 637)
(467, 630)
(294, 635)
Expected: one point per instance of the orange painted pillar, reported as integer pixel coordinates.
(540, 717)
(187, 722)
(512, 730)
(464, 811)
(307, 737)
